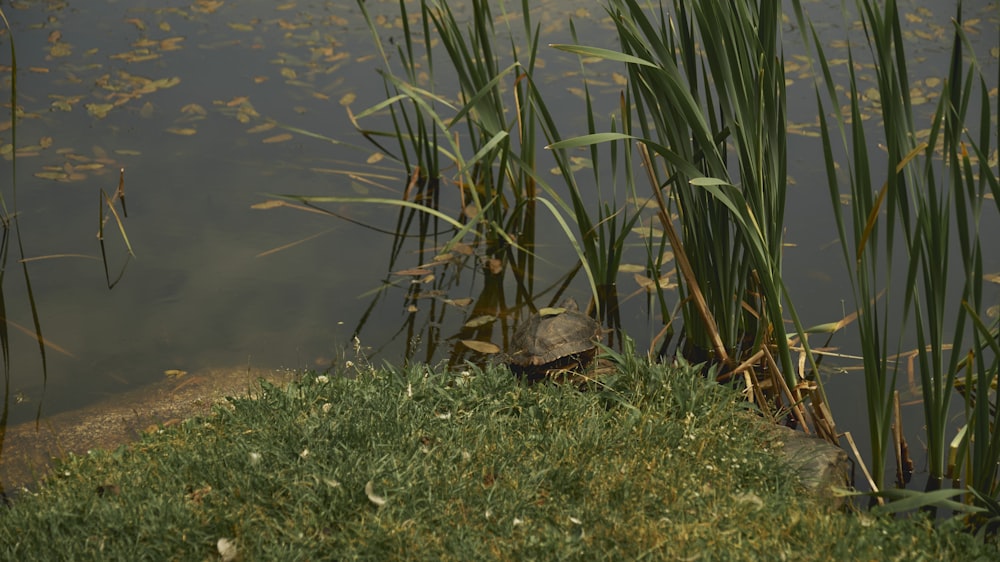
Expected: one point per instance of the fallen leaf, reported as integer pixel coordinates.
(268, 204)
(412, 272)
(277, 138)
(182, 131)
(261, 128)
(481, 346)
(194, 109)
(99, 110)
(227, 549)
(379, 501)
(480, 320)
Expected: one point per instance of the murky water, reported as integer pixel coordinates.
(179, 94)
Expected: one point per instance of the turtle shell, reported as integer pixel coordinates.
(552, 335)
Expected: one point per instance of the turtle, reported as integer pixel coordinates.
(554, 341)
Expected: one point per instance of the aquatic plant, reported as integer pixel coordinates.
(935, 188)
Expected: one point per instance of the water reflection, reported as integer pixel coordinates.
(200, 151)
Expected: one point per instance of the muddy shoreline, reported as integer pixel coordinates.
(29, 448)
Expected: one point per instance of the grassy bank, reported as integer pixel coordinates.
(660, 464)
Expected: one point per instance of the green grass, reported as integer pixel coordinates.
(659, 464)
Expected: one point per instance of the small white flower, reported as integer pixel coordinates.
(349, 364)
(517, 521)
(254, 459)
(322, 379)
(327, 407)
(304, 453)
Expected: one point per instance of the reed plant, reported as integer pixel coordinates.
(933, 191)
(479, 148)
(708, 86)
(11, 233)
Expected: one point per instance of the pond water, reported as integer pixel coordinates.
(204, 105)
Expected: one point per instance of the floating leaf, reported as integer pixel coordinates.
(268, 204)
(417, 272)
(551, 311)
(193, 109)
(261, 128)
(481, 320)
(182, 131)
(207, 6)
(171, 44)
(283, 137)
(348, 99)
(481, 346)
(174, 373)
(56, 176)
(99, 110)
(379, 501)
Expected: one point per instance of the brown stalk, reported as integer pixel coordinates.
(680, 257)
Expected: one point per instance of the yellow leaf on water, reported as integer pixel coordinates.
(193, 109)
(261, 128)
(481, 346)
(375, 158)
(57, 176)
(268, 204)
(182, 131)
(171, 44)
(166, 82)
(45, 142)
(89, 166)
(99, 110)
(479, 321)
(288, 73)
(347, 99)
(60, 50)
(278, 138)
(207, 6)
